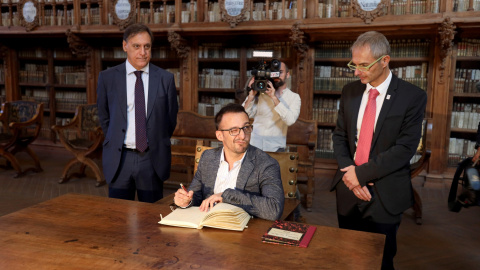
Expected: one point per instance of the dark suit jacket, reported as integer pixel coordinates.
(162, 108)
(396, 138)
(258, 191)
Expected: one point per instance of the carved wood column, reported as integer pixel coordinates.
(184, 52)
(80, 48)
(441, 97)
(10, 62)
(303, 61)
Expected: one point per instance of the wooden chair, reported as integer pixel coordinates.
(191, 127)
(420, 161)
(21, 124)
(83, 137)
(288, 169)
(302, 138)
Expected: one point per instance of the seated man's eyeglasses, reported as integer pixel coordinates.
(235, 131)
(363, 68)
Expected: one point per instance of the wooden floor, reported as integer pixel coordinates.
(446, 240)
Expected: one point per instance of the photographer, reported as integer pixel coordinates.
(273, 111)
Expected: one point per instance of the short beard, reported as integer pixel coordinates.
(278, 84)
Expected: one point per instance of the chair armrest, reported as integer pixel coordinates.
(16, 125)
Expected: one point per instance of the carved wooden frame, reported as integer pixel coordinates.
(122, 24)
(369, 16)
(28, 25)
(233, 20)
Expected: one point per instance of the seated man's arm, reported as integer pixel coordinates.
(263, 196)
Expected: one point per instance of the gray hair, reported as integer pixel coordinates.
(377, 42)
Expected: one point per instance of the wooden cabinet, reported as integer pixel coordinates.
(312, 37)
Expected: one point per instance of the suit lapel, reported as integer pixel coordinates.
(153, 88)
(387, 105)
(246, 169)
(122, 88)
(355, 107)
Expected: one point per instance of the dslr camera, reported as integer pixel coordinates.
(265, 71)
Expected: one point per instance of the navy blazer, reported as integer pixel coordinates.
(396, 138)
(162, 108)
(259, 189)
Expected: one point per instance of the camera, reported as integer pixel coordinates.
(265, 71)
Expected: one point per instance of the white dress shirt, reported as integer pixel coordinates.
(382, 90)
(271, 122)
(131, 79)
(227, 178)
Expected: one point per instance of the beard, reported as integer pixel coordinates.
(278, 83)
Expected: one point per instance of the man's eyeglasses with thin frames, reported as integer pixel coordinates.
(235, 131)
(363, 69)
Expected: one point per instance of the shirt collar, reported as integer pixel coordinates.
(383, 87)
(131, 69)
(222, 157)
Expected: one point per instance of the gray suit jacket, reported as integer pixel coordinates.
(258, 191)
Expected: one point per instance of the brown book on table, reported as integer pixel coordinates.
(289, 233)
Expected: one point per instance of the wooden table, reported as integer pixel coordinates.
(88, 232)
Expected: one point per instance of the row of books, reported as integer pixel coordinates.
(219, 78)
(465, 86)
(417, 71)
(331, 84)
(280, 49)
(217, 50)
(469, 74)
(416, 7)
(65, 104)
(459, 149)
(211, 109)
(399, 48)
(325, 110)
(465, 115)
(94, 17)
(464, 5)
(335, 72)
(75, 75)
(324, 144)
(27, 76)
(469, 46)
(159, 16)
(162, 52)
(58, 17)
(176, 75)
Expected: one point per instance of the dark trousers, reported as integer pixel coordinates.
(354, 214)
(136, 175)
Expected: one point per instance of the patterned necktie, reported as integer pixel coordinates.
(366, 131)
(140, 118)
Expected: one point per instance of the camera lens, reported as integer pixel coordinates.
(260, 85)
(275, 65)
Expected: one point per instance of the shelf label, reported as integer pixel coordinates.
(29, 11)
(234, 7)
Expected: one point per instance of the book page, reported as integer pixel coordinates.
(189, 217)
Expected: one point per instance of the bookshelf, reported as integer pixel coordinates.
(465, 101)
(318, 74)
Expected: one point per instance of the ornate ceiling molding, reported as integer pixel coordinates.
(77, 45)
(180, 45)
(367, 10)
(123, 12)
(28, 11)
(446, 32)
(298, 41)
(232, 15)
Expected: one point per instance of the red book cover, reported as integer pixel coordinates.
(289, 233)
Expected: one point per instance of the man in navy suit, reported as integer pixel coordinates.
(372, 184)
(237, 173)
(136, 150)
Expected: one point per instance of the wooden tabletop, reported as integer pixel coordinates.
(88, 232)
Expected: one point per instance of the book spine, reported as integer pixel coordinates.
(308, 236)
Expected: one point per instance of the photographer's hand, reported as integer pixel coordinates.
(271, 93)
(252, 93)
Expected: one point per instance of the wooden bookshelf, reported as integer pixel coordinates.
(313, 33)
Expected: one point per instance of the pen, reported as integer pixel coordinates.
(183, 187)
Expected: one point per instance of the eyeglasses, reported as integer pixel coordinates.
(235, 131)
(367, 68)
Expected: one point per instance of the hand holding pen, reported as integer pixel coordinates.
(183, 196)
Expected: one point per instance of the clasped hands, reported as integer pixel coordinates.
(183, 199)
(351, 181)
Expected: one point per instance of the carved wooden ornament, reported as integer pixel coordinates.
(446, 32)
(298, 41)
(233, 11)
(368, 10)
(77, 45)
(28, 10)
(123, 12)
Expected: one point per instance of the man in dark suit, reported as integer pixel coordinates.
(377, 133)
(137, 107)
(237, 173)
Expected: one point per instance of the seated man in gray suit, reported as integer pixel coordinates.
(237, 173)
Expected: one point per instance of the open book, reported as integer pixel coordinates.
(221, 216)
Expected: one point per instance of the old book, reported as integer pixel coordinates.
(289, 233)
(221, 216)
